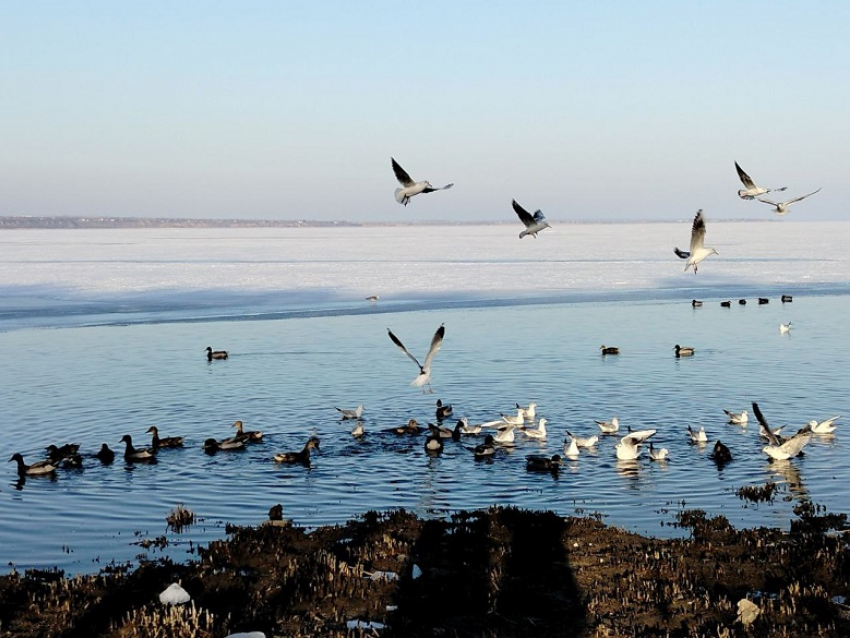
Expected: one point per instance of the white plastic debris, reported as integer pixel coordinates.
(364, 624)
(747, 612)
(174, 594)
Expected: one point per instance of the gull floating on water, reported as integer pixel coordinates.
(347, 414)
(424, 377)
(584, 441)
(609, 427)
(627, 450)
(505, 435)
(738, 418)
(784, 328)
(781, 208)
(358, 430)
(697, 436)
(658, 454)
(639, 436)
(571, 448)
(519, 419)
(538, 433)
(529, 412)
(409, 187)
(777, 449)
(698, 250)
(752, 191)
(824, 427)
(468, 430)
(533, 223)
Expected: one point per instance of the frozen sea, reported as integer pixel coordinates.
(103, 334)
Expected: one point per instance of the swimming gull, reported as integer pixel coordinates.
(609, 427)
(571, 448)
(823, 427)
(533, 223)
(584, 441)
(784, 328)
(738, 418)
(658, 454)
(752, 190)
(424, 377)
(697, 436)
(409, 187)
(781, 208)
(538, 433)
(779, 450)
(348, 413)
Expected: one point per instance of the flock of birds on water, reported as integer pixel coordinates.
(501, 432)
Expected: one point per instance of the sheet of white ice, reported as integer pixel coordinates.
(206, 272)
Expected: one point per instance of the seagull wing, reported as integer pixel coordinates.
(767, 201)
(401, 174)
(796, 443)
(745, 179)
(539, 216)
(403, 349)
(524, 216)
(797, 199)
(681, 254)
(436, 342)
(770, 435)
(697, 232)
(431, 189)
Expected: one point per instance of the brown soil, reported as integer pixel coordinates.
(500, 572)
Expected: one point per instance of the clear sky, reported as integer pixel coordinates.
(291, 110)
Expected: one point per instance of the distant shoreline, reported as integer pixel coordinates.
(21, 222)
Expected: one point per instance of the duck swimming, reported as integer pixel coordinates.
(538, 463)
(105, 455)
(211, 446)
(486, 449)
(242, 435)
(412, 427)
(683, 351)
(302, 457)
(216, 354)
(166, 441)
(132, 454)
(39, 468)
(721, 454)
(433, 444)
(443, 411)
(609, 350)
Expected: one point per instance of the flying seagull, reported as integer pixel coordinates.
(751, 190)
(533, 223)
(424, 377)
(780, 450)
(409, 187)
(781, 208)
(698, 250)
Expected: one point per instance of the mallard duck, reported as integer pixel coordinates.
(721, 453)
(166, 441)
(609, 350)
(36, 469)
(486, 449)
(683, 351)
(537, 463)
(443, 411)
(443, 433)
(251, 435)
(302, 457)
(133, 454)
(211, 446)
(105, 455)
(58, 454)
(412, 427)
(433, 444)
(216, 354)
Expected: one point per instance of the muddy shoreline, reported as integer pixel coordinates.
(495, 572)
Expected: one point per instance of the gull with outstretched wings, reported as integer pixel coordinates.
(424, 377)
(533, 223)
(409, 188)
(781, 208)
(752, 190)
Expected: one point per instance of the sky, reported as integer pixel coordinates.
(591, 111)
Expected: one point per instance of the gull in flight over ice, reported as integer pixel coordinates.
(823, 427)
(778, 450)
(533, 223)
(424, 377)
(409, 187)
(752, 191)
(698, 251)
(781, 208)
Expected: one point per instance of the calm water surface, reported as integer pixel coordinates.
(285, 377)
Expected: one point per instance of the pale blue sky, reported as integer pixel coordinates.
(283, 110)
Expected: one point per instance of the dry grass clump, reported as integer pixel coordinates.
(180, 517)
